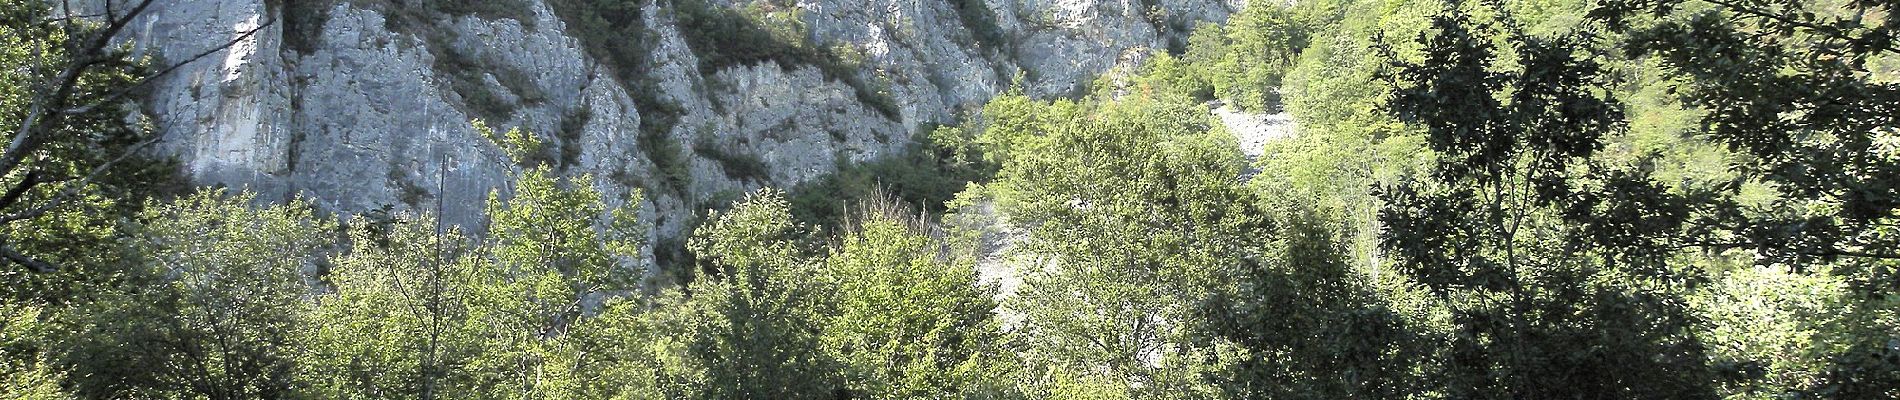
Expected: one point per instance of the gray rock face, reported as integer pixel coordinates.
(347, 102)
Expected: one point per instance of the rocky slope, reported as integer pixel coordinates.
(364, 104)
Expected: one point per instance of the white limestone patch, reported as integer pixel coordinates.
(1254, 130)
(241, 51)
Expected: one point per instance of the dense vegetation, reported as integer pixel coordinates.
(1656, 199)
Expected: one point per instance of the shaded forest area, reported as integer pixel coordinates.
(1502, 199)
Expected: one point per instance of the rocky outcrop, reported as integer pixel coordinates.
(359, 105)
(1254, 130)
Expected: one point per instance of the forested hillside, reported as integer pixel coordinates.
(1497, 199)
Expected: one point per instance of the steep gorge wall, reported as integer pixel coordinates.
(364, 104)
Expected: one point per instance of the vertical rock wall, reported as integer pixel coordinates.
(364, 104)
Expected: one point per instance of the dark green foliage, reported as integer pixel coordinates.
(22, 363)
(303, 22)
(612, 31)
(468, 76)
(671, 252)
(761, 338)
(1311, 328)
(490, 9)
(1245, 61)
(1788, 84)
(668, 157)
(573, 124)
(1136, 209)
(737, 165)
(907, 321)
(418, 17)
(981, 22)
(1814, 135)
(216, 321)
(725, 37)
(417, 309)
(875, 94)
(1505, 208)
(1513, 185)
(658, 117)
(407, 191)
(923, 177)
(78, 162)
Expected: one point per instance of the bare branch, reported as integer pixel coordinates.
(71, 189)
(46, 111)
(36, 121)
(33, 179)
(71, 18)
(31, 263)
(103, 39)
(1857, 254)
(1831, 32)
(70, 25)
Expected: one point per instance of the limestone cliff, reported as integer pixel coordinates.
(364, 104)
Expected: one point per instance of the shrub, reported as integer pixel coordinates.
(573, 124)
(737, 165)
(489, 9)
(923, 177)
(611, 31)
(668, 158)
(981, 21)
(303, 22)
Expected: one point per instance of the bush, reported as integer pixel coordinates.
(489, 9)
(981, 21)
(740, 166)
(611, 31)
(303, 22)
(573, 124)
(1245, 61)
(923, 177)
(725, 37)
(668, 157)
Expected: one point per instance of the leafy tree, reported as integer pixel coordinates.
(1772, 330)
(1012, 121)
(753, 328)
(1301, 323)
(400, 322)
(32, 382)
(557, 247)
(22, 360)
(421, 311)
(535, 232)
(643, 350)
(1791, 85)
(1555, 268)
(218, 321)
(64, 124)
(1344, 141)
(1263, 40)
(1335, 94)
(65, 80)
(1129, 210)
(1164, 72)
(908, 321)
